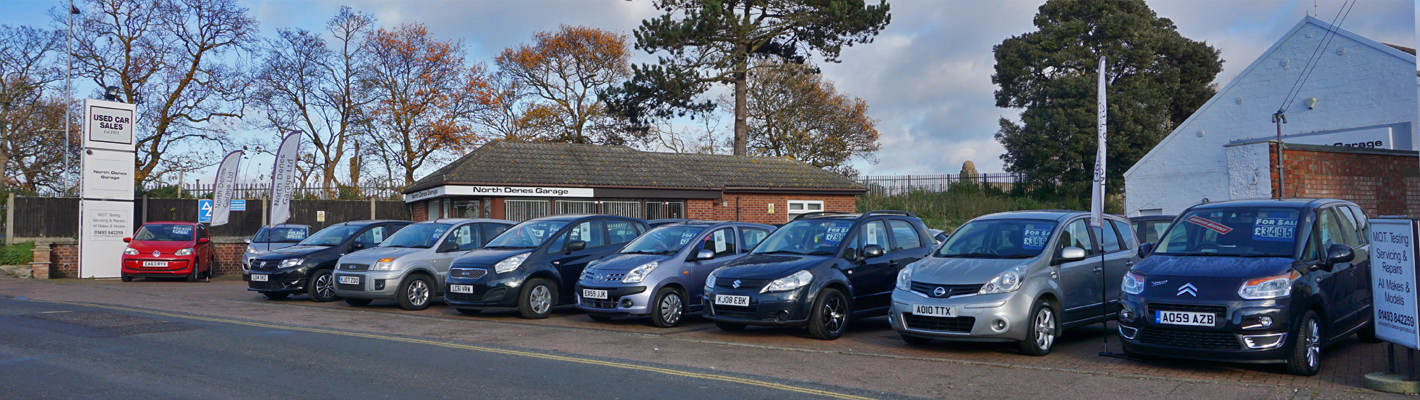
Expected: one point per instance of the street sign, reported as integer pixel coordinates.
(1393, 283)
(239, 205)
(204, 211)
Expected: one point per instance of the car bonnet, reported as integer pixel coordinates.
(963, 271)
(618, 263)
(1213, 267)
(370, 256)
(768, 266)
(486, 257)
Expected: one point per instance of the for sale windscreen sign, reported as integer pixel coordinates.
(1393, 250)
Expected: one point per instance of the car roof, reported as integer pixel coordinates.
(289, 226)
(465, 220)
(1057, 215)
(697, 222)
(1282, 202)
(566, 217)
(1154, 218)
(843, 215)
(370, 222)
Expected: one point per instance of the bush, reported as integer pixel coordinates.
(964, 201)
(17, 254)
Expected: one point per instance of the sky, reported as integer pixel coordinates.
(926, 77)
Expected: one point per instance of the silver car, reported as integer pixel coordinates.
(411, 265)
(1016, 276)
(271, 238)
(662, 272)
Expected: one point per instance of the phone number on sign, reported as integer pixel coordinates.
(1404, 320)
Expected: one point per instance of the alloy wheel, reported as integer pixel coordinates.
(1313, 342)
(671, 308)
(541, 299)
(418, 292)
(1044, 328)
(833, 314)
(324, 287)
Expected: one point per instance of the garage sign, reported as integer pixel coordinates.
(1393, 284)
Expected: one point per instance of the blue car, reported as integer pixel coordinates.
(662, 273)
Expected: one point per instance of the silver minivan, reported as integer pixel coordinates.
(1017, 276)
(411, 265)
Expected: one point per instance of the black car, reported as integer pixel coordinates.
(307, 266)
(1149, 228)
(818, 271)
(1258, 281)
(535, 265)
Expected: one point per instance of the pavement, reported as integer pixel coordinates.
(693, 360)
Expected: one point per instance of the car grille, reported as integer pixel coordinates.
(941, 324)
(451, 296)
(468, 273)
(265, 265)
(355, 267)
(272, 284)
(930, 289)
(1189, 339)
(743, 313)
(353, 288)
(592, 276)
(1220, 312)
(596, 303)
(744, 283)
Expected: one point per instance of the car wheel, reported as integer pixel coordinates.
(322, 286)
(537, 298)
(469, 311)
(600, 318)
(415, 293)
(914, 340)
(668, 307)
(192, 277)
(275, 296)
(1368, 333)
(830, 315)
(729, 327)
(357, 302)
(1043, 330)
(1306, 352)
(126, 279)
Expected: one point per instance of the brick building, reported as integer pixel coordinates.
(523, 180)
(1361, 93)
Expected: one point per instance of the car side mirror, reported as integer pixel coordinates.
(357, 246)
(247, 241)
(448, 246)
(1146, 249)
(203, 240)
(1339, 253)
(576, 245)
(704, 255)
(128, 240)
(872, 250)
(1069, 254)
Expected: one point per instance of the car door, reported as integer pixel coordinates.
(1343, 275)
(203, 249)
(570, 263)
(1119, 257)
(724, 243)
(1361, 288)
(1080, 283)
(867, 274)
(908, 246)
(457, 241)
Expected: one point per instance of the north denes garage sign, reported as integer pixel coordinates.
(501, 191)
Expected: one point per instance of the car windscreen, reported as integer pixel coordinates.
(999, 238)
(282, 234)
(1233, 231)
(164, 233)
(331, 236)
(527, 235)
(663, 240)
(807, 236)
(420, 236)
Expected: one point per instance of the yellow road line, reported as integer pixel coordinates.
(587, 361)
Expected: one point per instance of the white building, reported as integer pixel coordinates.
(1360, 93)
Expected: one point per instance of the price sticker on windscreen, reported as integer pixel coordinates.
(686, 236)
(720, 241)
(1274, 229)
(1210, 224)
(835, 234)
(1035, 236)
(182, 230)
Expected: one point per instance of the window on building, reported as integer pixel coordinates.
(467, 209)
(523, 210)
(797, 207)
(565, 207)
(624, 208)
(665, 209)
(433, 210)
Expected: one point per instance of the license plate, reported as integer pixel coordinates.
(461, 289)
(1185, 318)
(349, 280)
(155, 263)
(594, 294)
(258, 277)
(934, 311)
(728, 300)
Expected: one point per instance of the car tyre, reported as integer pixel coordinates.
(829, 318)
(1306, 350)
(600, 318)
(1043, 329)
(357, 302)
(192, 277)
(729, 326)
(415, 293)
(1367, 334)
(275, 296)
(321, 287)
(667, 308)
(537, 298)
(469, 311)
(127, 279)
(914, 340)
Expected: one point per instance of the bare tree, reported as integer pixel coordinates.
(30, 122)
(179, 62)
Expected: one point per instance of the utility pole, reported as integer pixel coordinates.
(1280, 118)
(68, 94)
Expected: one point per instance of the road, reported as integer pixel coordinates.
(86, 338)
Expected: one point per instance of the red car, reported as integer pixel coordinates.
(168, 249)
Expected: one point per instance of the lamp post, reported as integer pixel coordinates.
(68, 94)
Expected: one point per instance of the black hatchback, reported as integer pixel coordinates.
(1257, 281)
(818, 271)
(535, 265)
(306, 267)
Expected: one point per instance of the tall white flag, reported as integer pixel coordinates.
(1097, 188)
(283, 173)
(222, 190)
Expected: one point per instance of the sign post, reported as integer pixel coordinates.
(105, 187)
(1393, 298)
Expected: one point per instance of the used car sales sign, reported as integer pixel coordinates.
(1393, 284)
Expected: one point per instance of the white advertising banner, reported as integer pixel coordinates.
(1097, 188)
(502, 191)
(108, 175)
(102, 227)
(108, 125)
(283, 174)
(222, 190)
(1393, 284)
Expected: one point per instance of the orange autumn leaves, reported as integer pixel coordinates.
(562, 74)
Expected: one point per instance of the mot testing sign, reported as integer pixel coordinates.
(1393, 284)
(105, 187)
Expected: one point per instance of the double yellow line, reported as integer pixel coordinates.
(586, 361)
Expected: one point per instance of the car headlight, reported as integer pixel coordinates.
(184, 252)
(639, 273)
(710, 279)
(791, 282)
(509, 264)
(1006, 282)
(252, 250)
(384, 264)
(292, 262)
(1133, 283)
(904, 277)
(1269, 287)
(129, 251)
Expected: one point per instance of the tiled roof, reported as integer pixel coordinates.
(579, 165)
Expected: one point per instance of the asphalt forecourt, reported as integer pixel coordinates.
(870, 360)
